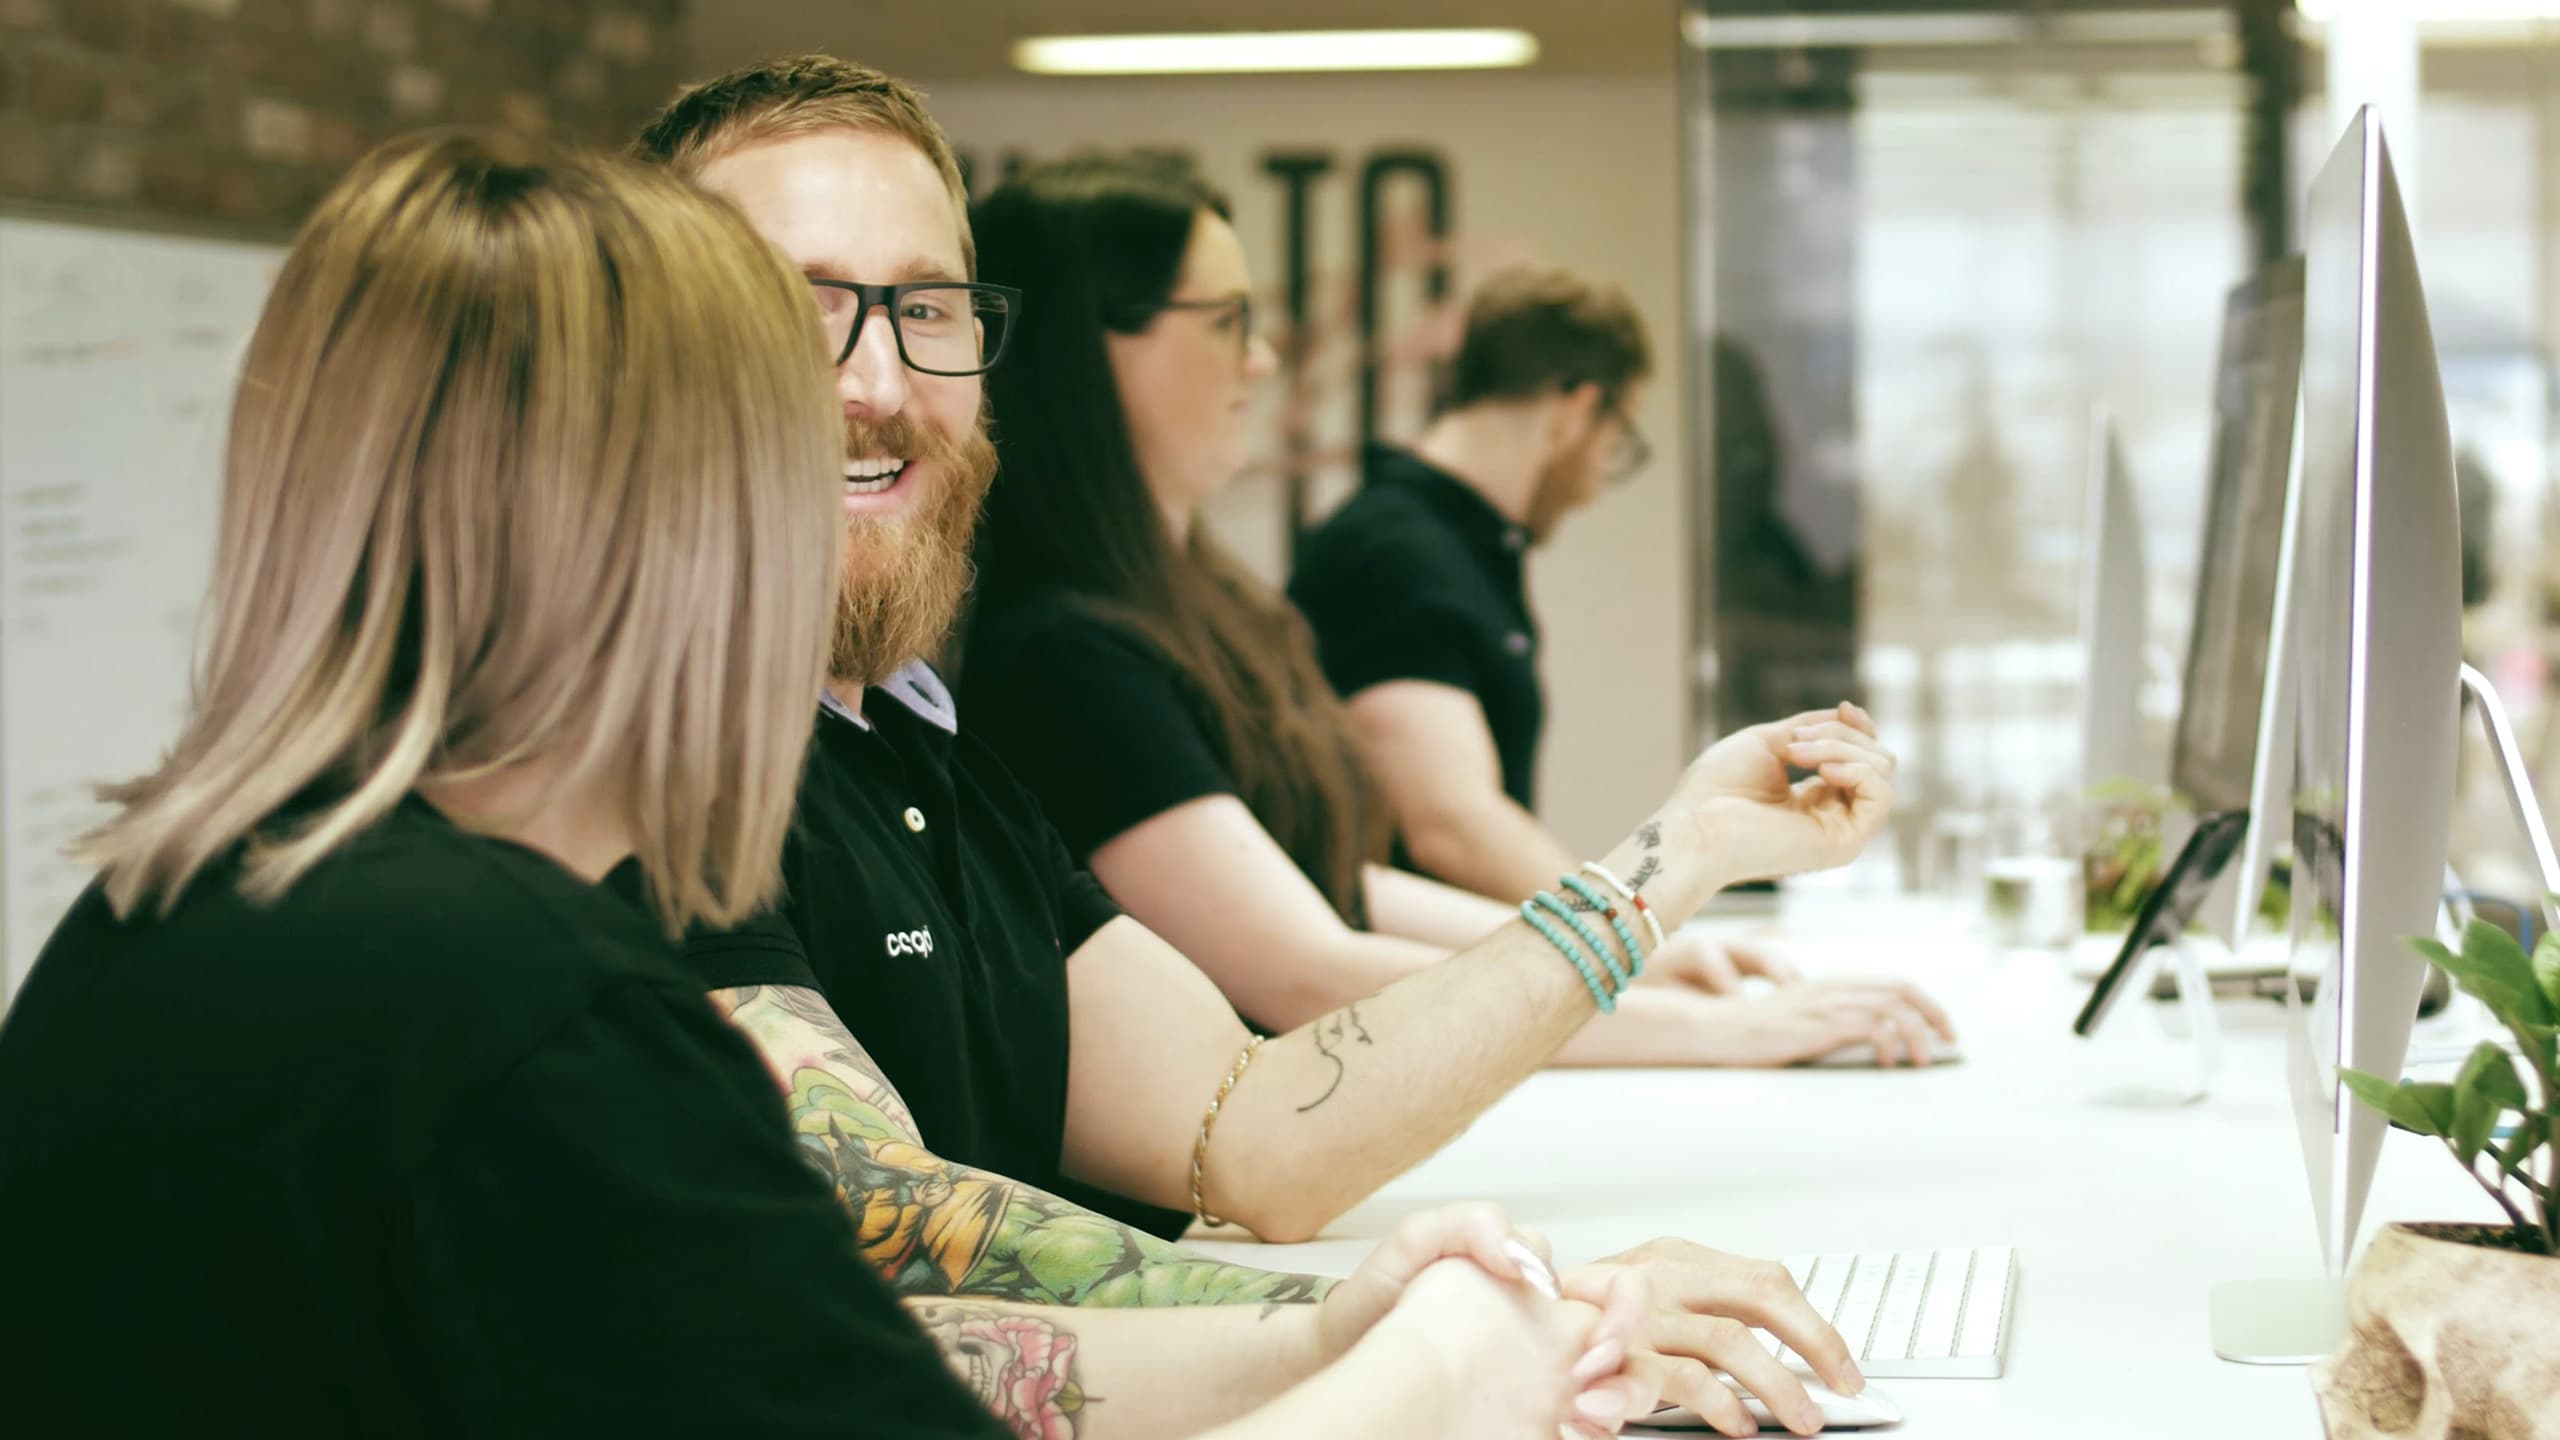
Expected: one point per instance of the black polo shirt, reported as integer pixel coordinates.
(1098, 722)
(442, 1142)
(929, 900)
(1417, 577)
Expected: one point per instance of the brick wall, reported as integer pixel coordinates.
(246, 110)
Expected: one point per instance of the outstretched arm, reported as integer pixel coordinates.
(1332, 1109)
(935, 1228)
(1434, 756)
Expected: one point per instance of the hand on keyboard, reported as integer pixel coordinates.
(1709, 1312)
(1912, 1313)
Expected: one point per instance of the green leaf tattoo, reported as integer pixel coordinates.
(932, 1227)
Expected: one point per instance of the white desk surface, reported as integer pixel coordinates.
(2124, 1215)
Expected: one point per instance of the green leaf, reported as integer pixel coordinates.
(2492, 967)
(2413, 1107)
(2546, 968)
(2485, 942)
(2491, 1071)
(2486, 1089)
(2527, 1139)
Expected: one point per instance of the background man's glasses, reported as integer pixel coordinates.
(1632, 453)
(943, 327)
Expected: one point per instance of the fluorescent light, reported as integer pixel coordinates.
(2431, 12)
(1880, 31)
(1269, 51)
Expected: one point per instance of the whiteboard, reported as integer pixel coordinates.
(118, 355)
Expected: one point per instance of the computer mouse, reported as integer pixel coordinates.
(1869, 1409)
(1862, 1056)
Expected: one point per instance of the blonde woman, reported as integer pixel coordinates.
(364, 1092)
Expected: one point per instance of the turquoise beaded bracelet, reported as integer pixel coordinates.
(1564, 946)
(1599, 947)
(1626, 937)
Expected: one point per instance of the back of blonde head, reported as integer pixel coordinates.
(534, 457)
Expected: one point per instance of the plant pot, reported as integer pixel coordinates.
(2454, 1334)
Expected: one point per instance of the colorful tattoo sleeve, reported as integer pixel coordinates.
(1020, 1366)
(935, 1228)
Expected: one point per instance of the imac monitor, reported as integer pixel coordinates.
(2217, 762)
(2113, 627)
(2373, 640)
(2377, 649)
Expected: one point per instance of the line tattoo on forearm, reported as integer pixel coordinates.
(1649, 834)
(1331, 1033)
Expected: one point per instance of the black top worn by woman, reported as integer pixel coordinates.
(444, 1141)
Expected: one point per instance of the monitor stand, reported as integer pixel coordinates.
(2279, 1322)
(2518, 779)
(2297, 1322)
(2203, 1030)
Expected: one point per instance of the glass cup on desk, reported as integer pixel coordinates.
(2032, 902)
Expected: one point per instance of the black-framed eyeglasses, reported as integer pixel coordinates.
(1225, 311)
(943, 327)
(1632, 452)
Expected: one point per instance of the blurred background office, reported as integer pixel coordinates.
(1896, 253)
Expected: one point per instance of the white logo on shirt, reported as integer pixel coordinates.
(911, 942)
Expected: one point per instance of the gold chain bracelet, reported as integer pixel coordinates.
(1200, 1147)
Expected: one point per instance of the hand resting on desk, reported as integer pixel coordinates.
(1794, 1024)
(1700, 961)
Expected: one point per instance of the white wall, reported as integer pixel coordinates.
(1580, 172)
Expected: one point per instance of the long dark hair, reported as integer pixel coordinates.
(1097, 243)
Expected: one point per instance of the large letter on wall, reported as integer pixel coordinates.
(1433, 174)
(1297, 172)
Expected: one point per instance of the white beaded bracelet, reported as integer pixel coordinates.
(1609, 877)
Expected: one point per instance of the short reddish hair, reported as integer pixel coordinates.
(803, 95)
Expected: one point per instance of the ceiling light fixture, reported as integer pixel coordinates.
(1884, 31)
(1274, 51)
(2430, 12)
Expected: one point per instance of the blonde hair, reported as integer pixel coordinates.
(800, 95)
(534, 456)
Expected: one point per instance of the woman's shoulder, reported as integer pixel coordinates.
(428, 901)
(1044, 632)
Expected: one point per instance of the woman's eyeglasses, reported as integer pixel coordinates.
(943, 327)
(1226, 312)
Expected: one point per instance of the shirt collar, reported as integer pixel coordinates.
(1469, 513)
(915, 686)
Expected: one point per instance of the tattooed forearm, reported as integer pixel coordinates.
(1649, 835)
(1022, 1367)
(1331, 1034)
(797, 1023)
(932, 1227)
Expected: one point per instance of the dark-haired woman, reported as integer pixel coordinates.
(1166, 706)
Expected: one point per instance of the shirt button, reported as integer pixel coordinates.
(1517, 642)
(1515, 539)
(915, 820)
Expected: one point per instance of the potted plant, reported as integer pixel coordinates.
(2454, 1325)
(2121, 854)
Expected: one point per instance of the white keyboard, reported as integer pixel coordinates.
(1913, 1314)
